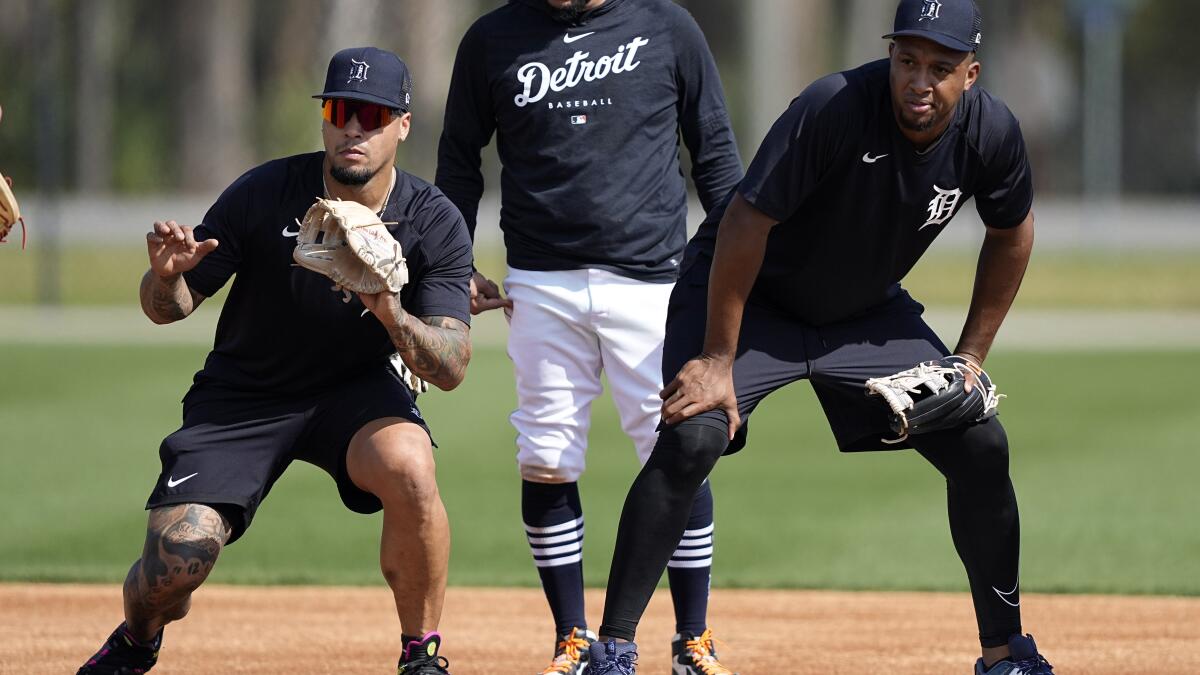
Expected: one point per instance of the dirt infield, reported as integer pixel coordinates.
(53, 628)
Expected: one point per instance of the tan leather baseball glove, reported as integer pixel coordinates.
(348, 243)
(10, 212)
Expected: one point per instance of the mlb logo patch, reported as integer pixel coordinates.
(578, 119)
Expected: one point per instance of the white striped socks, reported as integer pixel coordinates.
(553, 519)
(556, 545)
(695, 549)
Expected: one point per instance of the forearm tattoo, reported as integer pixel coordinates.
(182, 545)
(165, 301)
(436, 348)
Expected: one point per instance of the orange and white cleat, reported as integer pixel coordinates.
(571, 653)
(696, 655)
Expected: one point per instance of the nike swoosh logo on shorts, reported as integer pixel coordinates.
(568, 38)
(171, 482)
(871, 160)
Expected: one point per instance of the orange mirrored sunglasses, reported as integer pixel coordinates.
(371, 116)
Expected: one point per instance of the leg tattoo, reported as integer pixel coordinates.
(182, 545)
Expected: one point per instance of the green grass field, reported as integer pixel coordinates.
(1154, 280)
(1104, 458)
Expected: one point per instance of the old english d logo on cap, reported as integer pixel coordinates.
(371, 75)
(358, 71)
(956, 24)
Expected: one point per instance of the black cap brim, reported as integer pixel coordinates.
(360, 96)
(934, 36)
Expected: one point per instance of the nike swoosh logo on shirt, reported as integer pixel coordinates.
(871, 160)
(568, 38)
(171, 482)
(289, 233)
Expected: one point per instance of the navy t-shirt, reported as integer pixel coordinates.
(857, 205)
(283, 329)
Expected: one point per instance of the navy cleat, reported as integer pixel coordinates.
(1024, 659)
(421, 657)
(613, 658)
(123, 654)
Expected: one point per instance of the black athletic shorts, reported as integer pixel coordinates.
(234, 445)
(775, 349)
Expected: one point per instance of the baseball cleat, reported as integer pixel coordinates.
(612, 658)
(421, 657)
(571, 653)
(696, 655)
(1025, 660)
(122, 654)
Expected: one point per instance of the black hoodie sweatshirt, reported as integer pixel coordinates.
(588, 117)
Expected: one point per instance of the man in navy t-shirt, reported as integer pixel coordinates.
(300, 370)
(799, 279)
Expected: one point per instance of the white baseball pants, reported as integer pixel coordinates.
(565, 328)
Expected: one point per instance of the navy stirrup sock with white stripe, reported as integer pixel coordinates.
(690, 569)
(553, 518)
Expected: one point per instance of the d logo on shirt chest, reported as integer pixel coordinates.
(941, 207)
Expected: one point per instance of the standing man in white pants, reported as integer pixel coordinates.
(588, 100)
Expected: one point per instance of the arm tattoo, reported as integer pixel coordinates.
(436, 348)
(182, 545)
(165, 301)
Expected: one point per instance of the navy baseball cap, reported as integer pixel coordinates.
(956, 24)
(368, 74)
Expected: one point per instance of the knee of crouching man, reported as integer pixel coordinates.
(689, 449)
(986, 444)
(183, 544)
(412, 479)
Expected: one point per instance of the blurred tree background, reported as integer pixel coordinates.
(139, 97)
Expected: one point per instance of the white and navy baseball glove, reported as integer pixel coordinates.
(932, 396)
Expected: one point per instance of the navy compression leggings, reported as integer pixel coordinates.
(981, 502)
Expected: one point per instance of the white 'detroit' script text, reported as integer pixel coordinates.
(576, 69)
